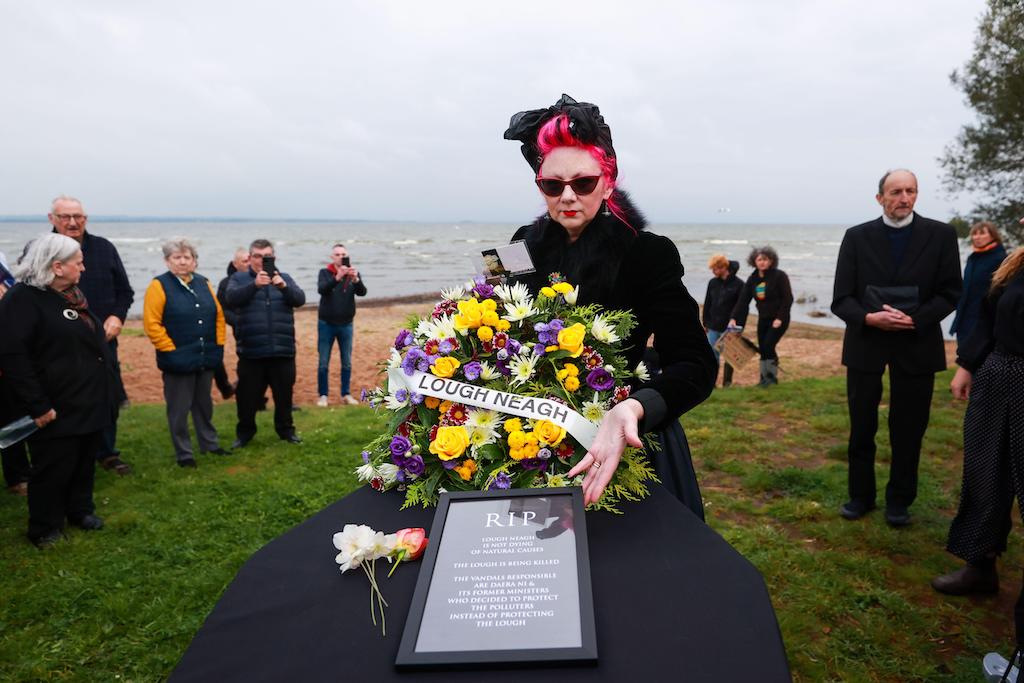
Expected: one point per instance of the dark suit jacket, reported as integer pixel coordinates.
(931, 262)
(50, 361)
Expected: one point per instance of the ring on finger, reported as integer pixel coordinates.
(596, 463)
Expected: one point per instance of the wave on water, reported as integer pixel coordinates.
(402, 243)
(828, 244)
(133, 240)
(726, 241)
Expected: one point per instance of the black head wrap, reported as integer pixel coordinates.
(585, 122)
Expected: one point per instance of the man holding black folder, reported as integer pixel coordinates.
(897, 277)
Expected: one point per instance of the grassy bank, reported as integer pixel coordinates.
(852, 598)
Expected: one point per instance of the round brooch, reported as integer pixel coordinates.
(70, 314)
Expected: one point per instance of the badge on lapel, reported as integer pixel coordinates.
(70, 314)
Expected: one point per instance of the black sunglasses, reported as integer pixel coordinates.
(554, 187)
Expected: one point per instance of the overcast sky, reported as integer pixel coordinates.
(784, 111)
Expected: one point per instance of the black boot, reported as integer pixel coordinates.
(764, 374)
(772, 370)
(727, 375)
(973, 578)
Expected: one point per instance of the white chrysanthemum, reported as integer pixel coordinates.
(485, 419)
(522, 368)
(395, 360)
(602, 331)
(391, 402)
(555, 481)
(641, 372)
(519, 310)
(517, 292)
(388, 472)
(453, 293)
(488, 372)
(570, 298)
(480, 436)
(594, 410)
(436, 328)
(366, 472)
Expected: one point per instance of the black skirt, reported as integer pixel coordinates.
(674, 466)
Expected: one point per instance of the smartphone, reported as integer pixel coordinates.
(346, 261)
(269, 265)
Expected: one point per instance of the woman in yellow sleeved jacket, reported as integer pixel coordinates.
(185, 322)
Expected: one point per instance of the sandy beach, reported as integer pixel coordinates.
(806, 351)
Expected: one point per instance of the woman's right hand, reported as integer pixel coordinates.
(732, 322)
(961, 384)
(46, 418)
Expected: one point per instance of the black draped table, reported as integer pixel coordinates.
(672, 601)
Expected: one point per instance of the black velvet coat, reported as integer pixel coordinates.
(640, 272)
(50, 360)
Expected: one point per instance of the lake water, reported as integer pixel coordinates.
(397, 259)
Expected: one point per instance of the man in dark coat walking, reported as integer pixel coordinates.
(897, 277)
(264, 299)
(110, 295)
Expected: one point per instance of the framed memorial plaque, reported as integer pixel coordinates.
(506, 580)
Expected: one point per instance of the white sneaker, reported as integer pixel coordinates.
(350, 400)
(322, 401)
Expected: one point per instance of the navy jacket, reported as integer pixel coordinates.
(977, 277)
(265, 326)
(338, 299)
(190, 318)
(721, 298)
(104, 282)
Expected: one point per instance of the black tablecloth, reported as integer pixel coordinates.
(672, 601)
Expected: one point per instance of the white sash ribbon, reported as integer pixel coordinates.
(426, 384)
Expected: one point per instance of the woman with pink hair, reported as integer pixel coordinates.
(593, 236)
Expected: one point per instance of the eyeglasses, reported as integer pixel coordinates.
(554, 187)
(65, 217)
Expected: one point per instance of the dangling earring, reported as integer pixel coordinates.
(605, 211)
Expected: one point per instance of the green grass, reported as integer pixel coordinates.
(852, 598)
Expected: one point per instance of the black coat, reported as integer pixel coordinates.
(266, 318)
(721, 298)
(337, 299)
(642, 273)
(977, 276)
(230, 314)
(51, 361)
(931, 262)
(777, 297)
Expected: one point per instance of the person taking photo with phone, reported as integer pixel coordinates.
(339, 284)
(265, 300)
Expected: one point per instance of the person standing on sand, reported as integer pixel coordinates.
(105, 285)
(338, 284)
(769, 288)
(896, 278)
(723, 291)
(265, 299)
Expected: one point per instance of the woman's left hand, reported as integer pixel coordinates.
(618, 429)
(776, 324)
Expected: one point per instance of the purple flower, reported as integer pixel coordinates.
(415, 360)
(450, 464)
(471, 370)
(400, 445)
(600, 379)
(415, 398)
(544, 453)
(503, 368)
(402, 395)
(415, 466)
(555, 326)
(400, 476)
(501, 481)
(362, 395)
(513, 347)
(534, 464)
(482, 289)
(538, 350)
(502, 354)
(366, 456)
(445, 346)
(403, 339)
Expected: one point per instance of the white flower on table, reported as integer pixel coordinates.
(518, 292)
(366, 472)
(358, 543)
(453, 293)
(436, 328)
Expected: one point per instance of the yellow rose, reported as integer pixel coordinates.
(451, 442)
(445, 366)
(571, 339)
(469, 315)
(485, 334)
(513, 425)
(562, 287)
(572, 383)
(548, 292)
(548, 433)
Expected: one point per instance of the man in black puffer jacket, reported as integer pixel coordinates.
(723, 291)
(264, 299)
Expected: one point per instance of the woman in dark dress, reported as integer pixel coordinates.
(595, 238)
(769, 288)
(987, 252)
(56, 364)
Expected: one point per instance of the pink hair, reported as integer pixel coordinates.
(557, 133)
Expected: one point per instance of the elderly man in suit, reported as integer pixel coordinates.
(896, 278)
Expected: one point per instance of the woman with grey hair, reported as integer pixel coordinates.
(56, 368)
(184, 320)
(769, 288)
